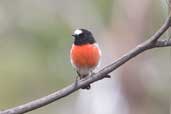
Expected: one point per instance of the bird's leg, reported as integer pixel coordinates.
(92, 73)
(84, 78)
(77, 77)
(87, 86)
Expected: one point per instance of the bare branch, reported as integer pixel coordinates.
(169, 6)
(162, 43)
(161, 31)
(152, 42)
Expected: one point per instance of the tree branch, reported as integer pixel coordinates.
(162, 43)
(151, 43)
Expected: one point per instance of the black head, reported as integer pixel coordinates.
(83, 36)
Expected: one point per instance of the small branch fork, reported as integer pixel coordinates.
(151, 43)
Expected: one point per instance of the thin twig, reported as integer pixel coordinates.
(162, 43)
(152, 42)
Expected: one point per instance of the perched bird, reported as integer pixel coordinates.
(85, 53)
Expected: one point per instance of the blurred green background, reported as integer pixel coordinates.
(35, 41)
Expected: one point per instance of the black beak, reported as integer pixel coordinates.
(74, 35)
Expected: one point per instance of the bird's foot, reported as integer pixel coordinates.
(107, 76)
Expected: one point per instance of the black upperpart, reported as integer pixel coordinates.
(85, 37)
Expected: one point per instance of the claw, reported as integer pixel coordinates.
(86, 87)
(107, 76)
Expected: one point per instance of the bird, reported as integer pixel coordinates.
(85, 54)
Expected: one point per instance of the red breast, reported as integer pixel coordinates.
(85, 56)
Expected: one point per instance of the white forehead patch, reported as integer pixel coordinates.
(78, 31)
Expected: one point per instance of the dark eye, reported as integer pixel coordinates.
(81, 35)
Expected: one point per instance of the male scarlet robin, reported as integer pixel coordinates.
(85, 53)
